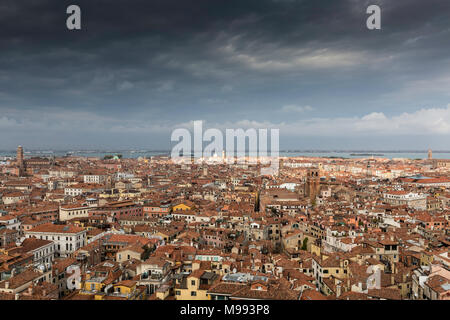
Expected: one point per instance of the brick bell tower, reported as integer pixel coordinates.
(312, 185)
(20, 161)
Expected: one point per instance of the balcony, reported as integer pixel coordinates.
(120, 294)
(154, 276)
(81, 257)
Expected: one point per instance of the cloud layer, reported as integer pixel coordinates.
(139, 68)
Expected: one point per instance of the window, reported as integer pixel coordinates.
(178, 292)
(193, 293)
(193, 282)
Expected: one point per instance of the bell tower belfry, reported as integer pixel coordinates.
(20, 162)
(312, 185)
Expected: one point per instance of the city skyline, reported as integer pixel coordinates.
(234, 153)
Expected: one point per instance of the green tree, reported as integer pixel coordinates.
(305, 244)
(147, 252)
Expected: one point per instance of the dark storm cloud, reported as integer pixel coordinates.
(139, 67)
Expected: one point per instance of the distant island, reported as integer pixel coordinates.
(367, 154)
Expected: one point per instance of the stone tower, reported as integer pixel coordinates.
(20, 161)
(19, 157)
(430, 154)
(312, 185)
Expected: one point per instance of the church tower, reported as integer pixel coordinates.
(430, 154)
(312, 185)
(20, 161)
(19, 156)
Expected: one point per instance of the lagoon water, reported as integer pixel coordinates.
(151, 153)
(367, 154)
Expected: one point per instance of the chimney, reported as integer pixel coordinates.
(16, 296)
(7, 285)
(338, 290)
(30, 290)
(44, 292)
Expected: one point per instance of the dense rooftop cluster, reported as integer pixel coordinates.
(118, 229)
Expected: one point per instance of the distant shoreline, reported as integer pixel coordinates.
(335, 154)
(370, 152)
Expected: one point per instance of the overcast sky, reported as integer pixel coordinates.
(139, 69)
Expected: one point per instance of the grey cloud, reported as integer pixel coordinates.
(167, 62)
